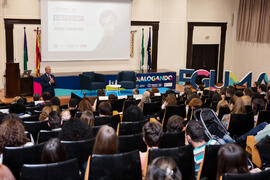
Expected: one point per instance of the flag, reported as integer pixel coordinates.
(149, 51)
(25, 53)
(38, 56)
(142, 49)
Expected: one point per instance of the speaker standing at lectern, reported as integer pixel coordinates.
(47, 81)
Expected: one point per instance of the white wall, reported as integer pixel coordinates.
(248, 57)
(172, 36)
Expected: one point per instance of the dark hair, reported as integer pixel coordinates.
(106, 141)
(54, 120)
(73, 102)
(175, 124)
(12, 116)
(216, 96)
(248, 91)
(74, 130)
(112, 97)
(12, 134)
(46, 96)
(152, 133)
(262, 87)
(133, 114)
(231, 159)
(17, 108)
(55, 101)
(257, 103)
(195, 131)
(53, 151)
(100, 92)
(105, 108)
(88, 118)
(230, 91)
(85, 105)
(36, 97)
(163, 168)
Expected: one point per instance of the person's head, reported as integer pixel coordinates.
(152, 133)
(268, 97)
(230, 91)
(54, 120)
(36, 97)
(44, 115)
(12, 134)
(106, 141)
(187, 91)
(216, 96)
(11, 116)
(17, 108)
(46, 96)
(232, 159)
(55, 108)
(53, 151)
(75, 130)
(257, 103)
(65, 115)
(112, 97)
(195, 103)
(73, 103)
(55, 101)
(19, 99)
(163, 168)
(85, 105)
(88, 118)
(222, 103)
(237, 106)
(48, 70)
(100, 92)
(132, 114)
(261, 88)
(146, 97)
(248, 92)
(175, 124)
(5, 173)
(105, 108)
(135, 91)
(195, 132)
(155, 90)
(171, 100)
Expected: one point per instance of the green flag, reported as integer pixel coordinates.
(25, 53)
(142, 48)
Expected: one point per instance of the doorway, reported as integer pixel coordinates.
(206, 56)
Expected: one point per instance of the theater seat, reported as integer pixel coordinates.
(56, 171)
(124, 166)
(264, 175)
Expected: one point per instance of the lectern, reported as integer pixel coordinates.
(13, 85)
(16, 85)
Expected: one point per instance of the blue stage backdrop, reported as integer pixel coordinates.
(144, 80)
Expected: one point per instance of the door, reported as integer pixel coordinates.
(204, 56)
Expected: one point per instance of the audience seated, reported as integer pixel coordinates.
(145, 99)
(232, 159)
(5, 173)
(55, 101)
(74, 130)
(236, 106)
(104, 109)
(261, 89)
(152, 134)
(248, 92)
(72, 106)
(133, 114)
(54, 121)
(170, 100)
(175, 124)
(85, 105)
(230, 92)
(53, 152)
(88, 118)
(46, 96)
(44, 115)
(65, 115)
(12, 134)
(55, 108)
(163, 168)
(196, 137)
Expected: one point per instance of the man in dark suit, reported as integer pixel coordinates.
(47, 81)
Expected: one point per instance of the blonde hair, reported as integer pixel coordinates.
(238, 107)
(45, 113)
(222, 103)
(246, 100)
(171, 100)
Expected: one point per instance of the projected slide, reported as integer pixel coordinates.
(85, 30)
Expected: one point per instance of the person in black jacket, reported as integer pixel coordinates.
(47, 81)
